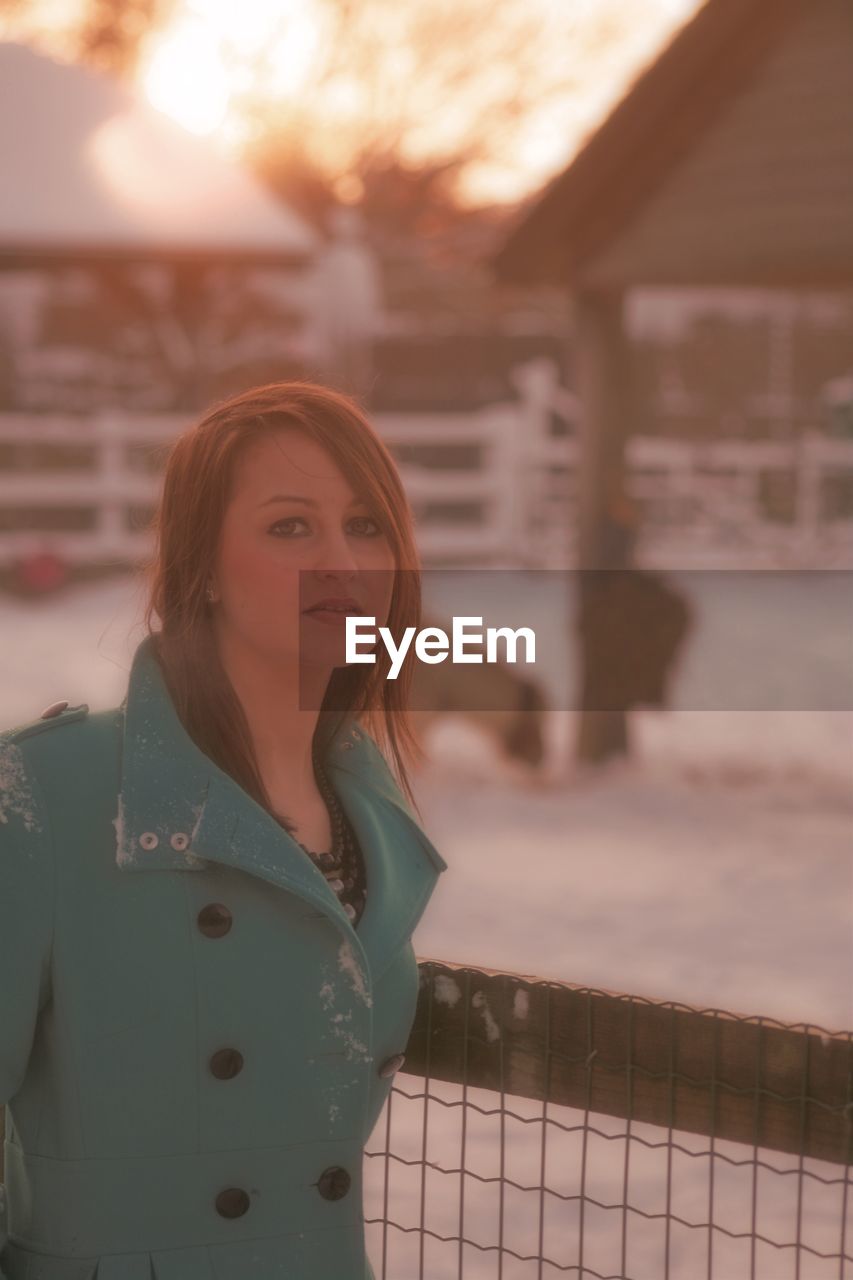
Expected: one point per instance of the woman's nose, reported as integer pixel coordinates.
(335, 551)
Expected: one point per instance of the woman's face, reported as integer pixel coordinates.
(320, 530)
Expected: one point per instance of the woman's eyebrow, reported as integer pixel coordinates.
(296, 497)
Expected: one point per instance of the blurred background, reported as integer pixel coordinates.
(590, 269)
(589, 266)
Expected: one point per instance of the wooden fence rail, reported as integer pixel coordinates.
(745, 1078)
(496, 485)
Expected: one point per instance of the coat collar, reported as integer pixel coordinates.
(198, 813)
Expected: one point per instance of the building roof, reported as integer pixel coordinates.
(90, 170)
(732, 153)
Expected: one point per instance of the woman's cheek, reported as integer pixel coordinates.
(251, 563)
(259, 579)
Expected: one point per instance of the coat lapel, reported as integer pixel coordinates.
(178, 810)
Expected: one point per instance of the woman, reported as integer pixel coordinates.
(207, 894)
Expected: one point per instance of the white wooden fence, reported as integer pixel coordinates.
(511, 501)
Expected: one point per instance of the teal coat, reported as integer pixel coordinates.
(195, 1043)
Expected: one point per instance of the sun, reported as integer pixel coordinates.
(186, 77)
(196, 67)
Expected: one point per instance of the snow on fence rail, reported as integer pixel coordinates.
(496, 485)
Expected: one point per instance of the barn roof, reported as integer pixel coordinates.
(91, 170)
(728, 160)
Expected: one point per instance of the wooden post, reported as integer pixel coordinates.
(602, 371)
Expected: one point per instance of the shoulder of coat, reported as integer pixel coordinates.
(58, 713)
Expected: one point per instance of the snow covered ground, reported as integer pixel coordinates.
(715, 867)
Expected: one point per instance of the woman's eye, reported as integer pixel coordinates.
(377, 527)
(288, 520)
(291, 520)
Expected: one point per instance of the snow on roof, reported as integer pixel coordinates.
(87, 164)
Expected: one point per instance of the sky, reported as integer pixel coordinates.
(196, 68)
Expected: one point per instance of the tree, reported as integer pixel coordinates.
(451, 89)
(105, 34)
(111, 34)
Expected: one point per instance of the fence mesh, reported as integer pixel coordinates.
(507, 1181)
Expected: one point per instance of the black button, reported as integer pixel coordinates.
(226, 1063)
(392, 1064)
(333, 1183)
(214, 920)
(233, 1202)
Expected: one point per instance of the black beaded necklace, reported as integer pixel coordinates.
(341, 864)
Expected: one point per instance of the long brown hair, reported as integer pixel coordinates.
(186, 528)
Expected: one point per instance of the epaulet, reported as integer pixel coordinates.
(56, 714)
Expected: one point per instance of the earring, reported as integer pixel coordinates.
(210, 593)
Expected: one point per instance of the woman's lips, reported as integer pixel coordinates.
(330, 617)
